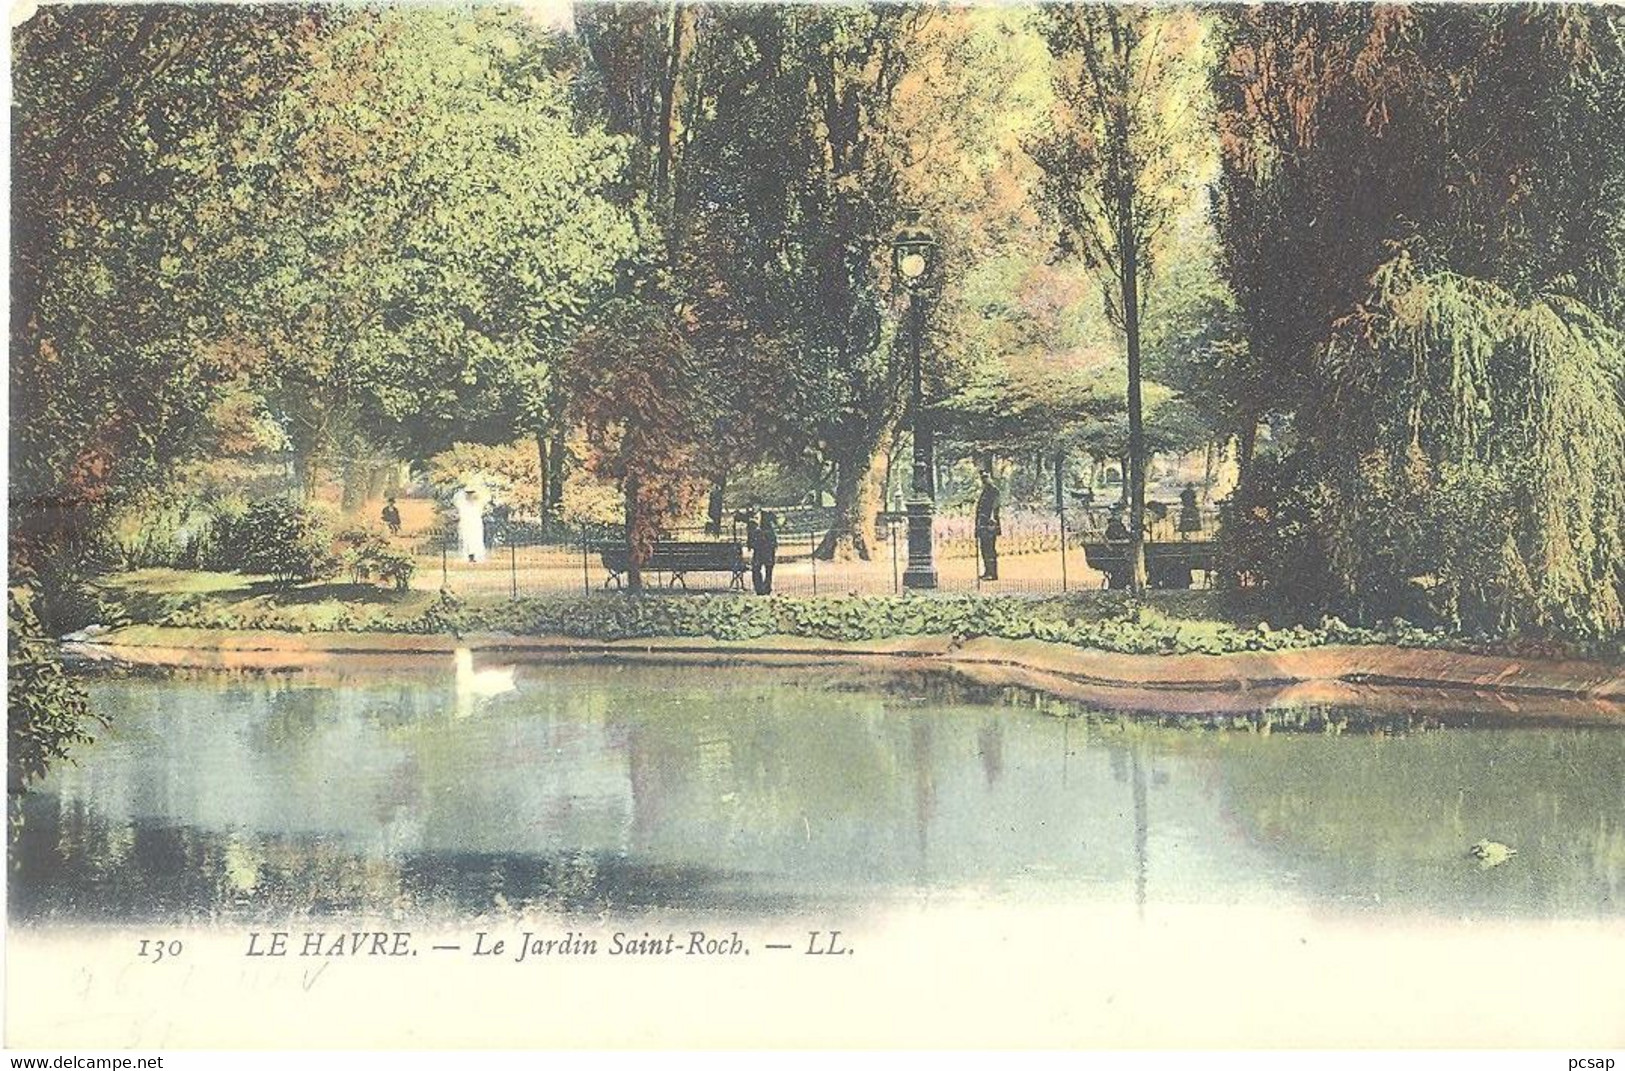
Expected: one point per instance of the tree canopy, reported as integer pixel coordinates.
(1374, 253)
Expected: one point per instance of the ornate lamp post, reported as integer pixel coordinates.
(914, 258)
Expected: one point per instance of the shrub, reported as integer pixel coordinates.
(1270, 545)
(62, 598)
(281, 539)
(368, 556)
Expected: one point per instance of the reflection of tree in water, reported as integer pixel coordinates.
(183, 875)
(1142, 831)
(292, 720)
(1128, 770)
(593, 788)
(990, 748)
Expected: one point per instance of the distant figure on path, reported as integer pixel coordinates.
(392, 516)
(470, 505)
(1190, 518)
(987, 526)
(764, 549)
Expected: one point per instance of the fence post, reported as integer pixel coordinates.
(586, 582)
(1063, 550)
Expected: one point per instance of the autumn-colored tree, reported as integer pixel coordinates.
(633, 387)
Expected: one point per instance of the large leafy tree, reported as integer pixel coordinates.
(123, 118)
(1437, 326)
(760, 133)
(781, 143)
(704, 100)
(434, 227)
(1119, 167)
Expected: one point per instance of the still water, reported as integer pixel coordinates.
(597, 788)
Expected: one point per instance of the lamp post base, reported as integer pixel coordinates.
(922, 567)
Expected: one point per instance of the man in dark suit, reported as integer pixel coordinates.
(987, 526)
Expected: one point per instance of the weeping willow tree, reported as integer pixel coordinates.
(1422, 209)
(1473, 455)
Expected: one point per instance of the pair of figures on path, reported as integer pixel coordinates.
(762, 540)
(1190, 518)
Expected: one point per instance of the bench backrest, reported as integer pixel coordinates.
(677, 554)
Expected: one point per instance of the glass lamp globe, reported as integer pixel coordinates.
(912, 265)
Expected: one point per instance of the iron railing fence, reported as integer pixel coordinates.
(1037, 554)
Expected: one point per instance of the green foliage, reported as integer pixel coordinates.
(1270, 543)
(122, 117)
(367, 555)
(433, 224)
(1490, 468)
(770, 135)
(64, 597)
(1440, 353)
(281, 539)
(512, 472)
(47, 714)
(1113, 624)
(1125, 152)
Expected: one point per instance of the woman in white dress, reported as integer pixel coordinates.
(470, 505)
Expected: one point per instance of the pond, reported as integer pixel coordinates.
(586, 787)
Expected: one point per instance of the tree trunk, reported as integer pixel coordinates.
(544, 486)
(636, 552)
(379, 478)
(666, 152)
(310, 475)
(1128, 243)
(1248, 442)
(1060, 482)
(714, 504)
(557, 455)
(354, 492)
(857, 504)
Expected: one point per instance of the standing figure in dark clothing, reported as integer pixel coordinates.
(987, 526)
(764, 549)
(1116, 530)
(1190, 518)
(392, 516)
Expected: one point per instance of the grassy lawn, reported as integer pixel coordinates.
(150, 596)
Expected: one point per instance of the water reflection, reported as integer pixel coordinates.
(596, 788)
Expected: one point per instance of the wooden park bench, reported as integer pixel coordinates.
(678, 559)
